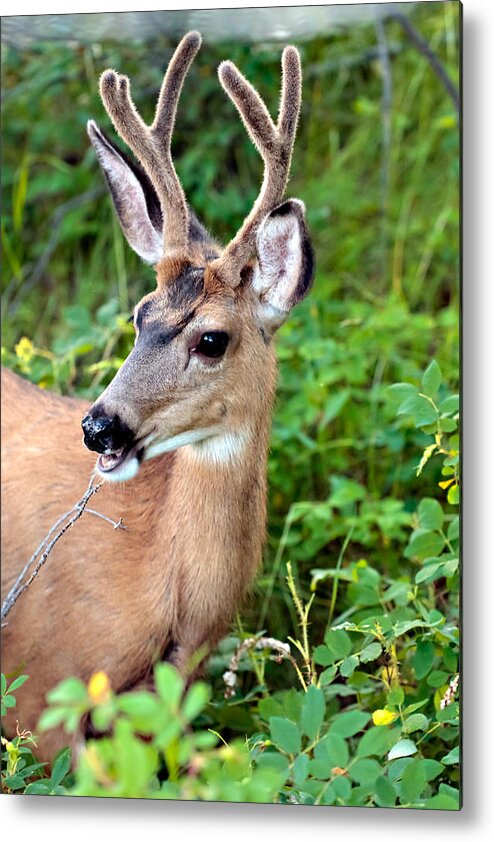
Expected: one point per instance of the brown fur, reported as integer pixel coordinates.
(111, 599)
(169, 583)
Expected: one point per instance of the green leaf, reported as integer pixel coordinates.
(313, 710)
(338, 790)
(37, 788)
(415, 706)
(399, 392)
(270, 707)
(432, 768)
(323, 656)
(452, 757)
(51, 717)
(18, 682)
(432, 379)
(338, 642)
(423, 544)
(14, 782)
(169, 685)
(413, 781)
(403, 748)
(423, 658)
(349, 665)
(397, 767)
(285, 734)
(454, 495)
(437, 678)
(449, 714)
(335, 404)
(275, 761)
(416, 722)
(450, 404)
(9, 701)
(300, 769)
(330, 752)
(166, 735)
(142, 707)
(345, 491)
(327, 676)
(67, 692)
(61, 766)
(365, 771)
(439, 570)
(385, 792)
(396, 695)
(451, 791)
(441, 802)
(27, 771)
(349, 722)
(376, 741)
(421, 410)
(431, 515)
(196, 700)
(404, 626)
(4, 684)
(370, 653)
(454, 529)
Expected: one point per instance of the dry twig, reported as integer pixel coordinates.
(73, 514)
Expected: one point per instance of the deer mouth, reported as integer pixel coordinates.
(109, 461)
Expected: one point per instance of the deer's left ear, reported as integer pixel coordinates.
(284, 269)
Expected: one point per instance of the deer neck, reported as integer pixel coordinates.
(213, 518)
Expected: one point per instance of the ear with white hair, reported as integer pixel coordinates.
(284, 269)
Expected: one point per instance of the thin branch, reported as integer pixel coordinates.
(76, 511)
(117, 524)
(423, 47)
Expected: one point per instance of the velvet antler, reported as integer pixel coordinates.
(275, 145)
(151, 144)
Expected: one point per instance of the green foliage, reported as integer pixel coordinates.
(361, 568)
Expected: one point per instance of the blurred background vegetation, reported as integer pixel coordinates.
(377, 164)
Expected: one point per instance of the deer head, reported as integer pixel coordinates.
(202, 369)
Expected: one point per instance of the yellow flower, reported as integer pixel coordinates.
(99, 688)
(24, 350)
(383, 717)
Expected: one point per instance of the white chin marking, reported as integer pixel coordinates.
(127, 470)
(208, 445)
(221, 449)
(182, 439)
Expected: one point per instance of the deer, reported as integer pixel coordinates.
(180, 435)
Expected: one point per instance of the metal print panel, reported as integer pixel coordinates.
(230, 414)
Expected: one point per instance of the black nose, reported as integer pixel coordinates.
(104, 433)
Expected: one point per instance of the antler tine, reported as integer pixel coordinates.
(151, 144)
(275, 145)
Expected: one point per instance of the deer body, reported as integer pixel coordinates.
(182, 430)
(120, 599)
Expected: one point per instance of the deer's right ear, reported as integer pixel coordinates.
(136, 203)
(284, 270)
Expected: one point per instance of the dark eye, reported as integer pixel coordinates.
(212, 344)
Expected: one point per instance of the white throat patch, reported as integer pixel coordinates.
(208, 445)
(221, 449)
